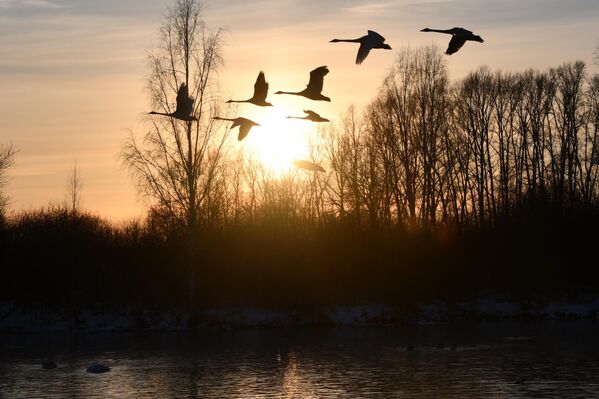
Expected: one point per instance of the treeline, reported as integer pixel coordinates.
(59, 258)
(428, 152)
(487, 185)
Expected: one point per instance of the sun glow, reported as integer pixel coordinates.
(278, 140)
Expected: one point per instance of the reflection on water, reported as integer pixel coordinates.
(492, 360)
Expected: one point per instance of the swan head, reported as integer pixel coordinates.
(386, 46)
(425, 30)
(478, 39)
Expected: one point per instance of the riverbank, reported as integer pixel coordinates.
(16, 318)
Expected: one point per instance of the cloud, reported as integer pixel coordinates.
(368, 8)
(386, 6)
(15, 4)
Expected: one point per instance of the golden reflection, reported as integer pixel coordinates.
(291, 386)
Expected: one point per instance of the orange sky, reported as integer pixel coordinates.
(72, 72)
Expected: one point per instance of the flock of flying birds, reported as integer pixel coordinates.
(313, 91)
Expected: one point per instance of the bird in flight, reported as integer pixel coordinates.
(310, 116)
(367, 43)
(307, 165)
(314, 88)
(184, 108)
(260, 93)
(244, 125)
(459, 37)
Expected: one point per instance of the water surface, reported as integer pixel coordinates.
(492, 360)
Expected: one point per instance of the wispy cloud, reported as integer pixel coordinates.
(389, 5)
(14, 4)
(368, 8)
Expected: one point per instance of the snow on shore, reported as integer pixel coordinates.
(15, 318)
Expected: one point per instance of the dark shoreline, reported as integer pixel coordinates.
(21, 319)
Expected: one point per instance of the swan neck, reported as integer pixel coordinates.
(441, 31)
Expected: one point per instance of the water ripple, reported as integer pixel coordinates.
(556, 360)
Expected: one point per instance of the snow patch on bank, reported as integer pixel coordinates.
(14, 318)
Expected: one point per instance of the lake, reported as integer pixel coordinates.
(549, 359)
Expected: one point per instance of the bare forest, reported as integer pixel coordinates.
(438, 188)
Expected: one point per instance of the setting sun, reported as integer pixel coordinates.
(278, 140)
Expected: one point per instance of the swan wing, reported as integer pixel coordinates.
(317, 79)
(260, 87)
(188, 108)
(182, 93)
(184, 102)
(375, 36)
(244, 130)
(363, 52)
(455, 44)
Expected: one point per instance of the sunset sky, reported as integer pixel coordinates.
(72, 72)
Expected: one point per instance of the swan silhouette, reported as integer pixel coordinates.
(310, 116)
(260, 93)
(184, 106)
(314, 88)
(367, 43)
(459, 37)
(307, 165)
(244, 125)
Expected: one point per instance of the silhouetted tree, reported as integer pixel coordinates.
(590, 145)
(73, 192)
(407, 123)
(487, 184)
(474, 101)
(177, 163)
(567, 120)
(7, 153)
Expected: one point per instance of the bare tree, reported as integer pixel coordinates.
(7, 153)
(176, 163)
(567, 120)
(591, 142)
(407, 123)
(74, 188)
